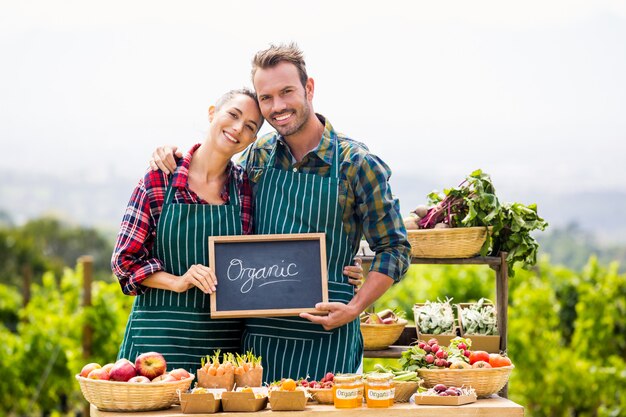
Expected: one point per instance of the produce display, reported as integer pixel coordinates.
(228, 370)
(140, 386)
(321, 391)
(442, 391)
(149, 367)
(398, 375)
(474, 203)
(382, 317)
(327, 381)
(381, 329)
(379, 389)
(441, 394)
(288, 395)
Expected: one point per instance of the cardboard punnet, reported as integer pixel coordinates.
(441, 400)
(443, 339)
(252, 378)
(242, 401)
(199, 403)
(288, 400)
(488, 343)
(226, 381)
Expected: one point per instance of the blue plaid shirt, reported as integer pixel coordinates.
(369, 208)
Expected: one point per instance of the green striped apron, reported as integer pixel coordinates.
(179, 325)
(291, 347)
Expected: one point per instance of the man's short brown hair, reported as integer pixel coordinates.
(276, 54)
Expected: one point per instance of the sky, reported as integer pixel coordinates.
(532, 92)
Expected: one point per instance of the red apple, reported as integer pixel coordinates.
(99, 373)
(150, 364)
(108, 367)
(88, 368)
(139, 379)
(164, 378)
(122, 370)
(180, 373)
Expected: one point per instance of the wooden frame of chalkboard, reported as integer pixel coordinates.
(268, 275)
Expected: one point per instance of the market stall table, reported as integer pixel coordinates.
(489, 407)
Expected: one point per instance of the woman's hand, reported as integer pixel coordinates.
(199, 276)
(355, 274)
(163, 158)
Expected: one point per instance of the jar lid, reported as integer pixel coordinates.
(342, 378)
(379, 377)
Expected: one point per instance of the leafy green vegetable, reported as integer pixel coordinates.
(435, 317)
(474, 203)
(398, 375)
(479, 318)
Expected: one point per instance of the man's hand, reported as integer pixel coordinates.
(338, 315)
(354, 274)
(163, 158)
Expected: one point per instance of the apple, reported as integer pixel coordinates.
(122, 371)
(164, 378)
(150, 364)
(88, 368)
(108, 367)
(140, 379)
(180, 373)
(98, 373)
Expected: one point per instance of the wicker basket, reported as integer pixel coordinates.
(322, 395)
(125, 396)
(485, 381)
(455, 242)
(380, 336)
(404, 390)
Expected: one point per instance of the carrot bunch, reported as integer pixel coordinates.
(214, 367)
(246, 362)
(248, 370)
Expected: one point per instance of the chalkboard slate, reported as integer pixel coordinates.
(268, 275)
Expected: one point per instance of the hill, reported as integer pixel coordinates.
(100, 202)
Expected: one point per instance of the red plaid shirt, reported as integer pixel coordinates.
(133, 260)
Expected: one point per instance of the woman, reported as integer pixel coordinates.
(161, 250)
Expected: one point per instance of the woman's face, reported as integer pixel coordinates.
(235, 124)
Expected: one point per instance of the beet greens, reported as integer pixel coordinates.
(474, 203)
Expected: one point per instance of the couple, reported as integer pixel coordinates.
(333, 185)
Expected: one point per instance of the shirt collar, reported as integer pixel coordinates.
(180, 179)
(324, 150)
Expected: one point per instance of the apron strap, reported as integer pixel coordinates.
(334, 168)
(169, 194)
(232, 190)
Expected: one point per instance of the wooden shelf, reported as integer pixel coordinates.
(497, 263)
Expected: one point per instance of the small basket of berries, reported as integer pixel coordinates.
(321, 391)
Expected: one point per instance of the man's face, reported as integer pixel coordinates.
(284, 102)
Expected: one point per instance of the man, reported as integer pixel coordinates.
(326, 183)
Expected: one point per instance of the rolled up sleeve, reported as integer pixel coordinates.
(132, 261)
(381, 219)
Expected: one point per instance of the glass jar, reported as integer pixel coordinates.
(379, 390)
(348, 391)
